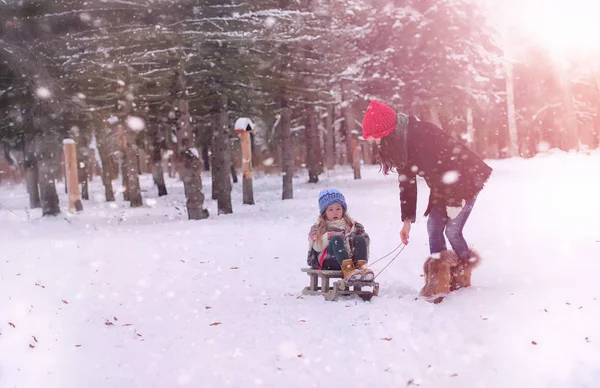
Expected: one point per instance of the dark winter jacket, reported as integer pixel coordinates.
(451, 170)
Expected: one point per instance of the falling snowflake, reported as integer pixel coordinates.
(85, 17)
(450, 177)
(194, 151)
(270, 22)
(43, 92)
(268, 162)
(543, 146)
(136, 124)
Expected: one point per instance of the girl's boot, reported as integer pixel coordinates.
(349, 271)
(367, 275)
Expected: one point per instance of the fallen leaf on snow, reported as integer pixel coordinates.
(12, 324)
(208, 307)
(387, 338)
(545, 310)
(115, 318)
(300, 356)
(35, 339)
(65, 302)
(533, 343)
(77, 346)
(127, 324)
(31, 346)
(301, 320)
(235, 268)
(454, 375)
(587, 339)
(215, 324)
(108, 323)
(39, 285)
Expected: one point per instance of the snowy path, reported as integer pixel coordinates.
(143, 298)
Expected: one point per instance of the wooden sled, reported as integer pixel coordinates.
(340, 287)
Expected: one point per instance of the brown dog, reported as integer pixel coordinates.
(438, 276)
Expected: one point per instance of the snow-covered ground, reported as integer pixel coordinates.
(119, 297)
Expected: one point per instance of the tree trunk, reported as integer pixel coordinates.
(83, 167)
(31, 175)
(124, 169)
(156, 145)
(513, 137)
(190, 172)
(286, 152)
(205, 156)
(351, 133)
(234, 177)
(106, 160)
(311, 152)
(45, 155)
(131, 162)
(470, 128)
(213, 158)
(570, 115)
(329, 139)
(222, 159)
(157, 172)
(129, 147)
(192, 185)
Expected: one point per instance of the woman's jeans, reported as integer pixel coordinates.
(438, 221)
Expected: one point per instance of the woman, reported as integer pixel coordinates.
(454, 174)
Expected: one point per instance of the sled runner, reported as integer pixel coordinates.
(339, 287)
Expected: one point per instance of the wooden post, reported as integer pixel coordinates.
(243, 126)
(70, 153)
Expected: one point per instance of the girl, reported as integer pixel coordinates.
(336, 242)
(454, 174)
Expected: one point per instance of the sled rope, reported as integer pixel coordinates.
(381, 258)
(391, 261)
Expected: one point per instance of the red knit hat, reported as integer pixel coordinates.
(379, 120)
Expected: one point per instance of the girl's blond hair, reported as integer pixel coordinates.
(322, 224)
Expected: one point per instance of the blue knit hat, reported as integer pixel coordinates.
(328, 197)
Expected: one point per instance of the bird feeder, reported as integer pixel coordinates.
(244, 126)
